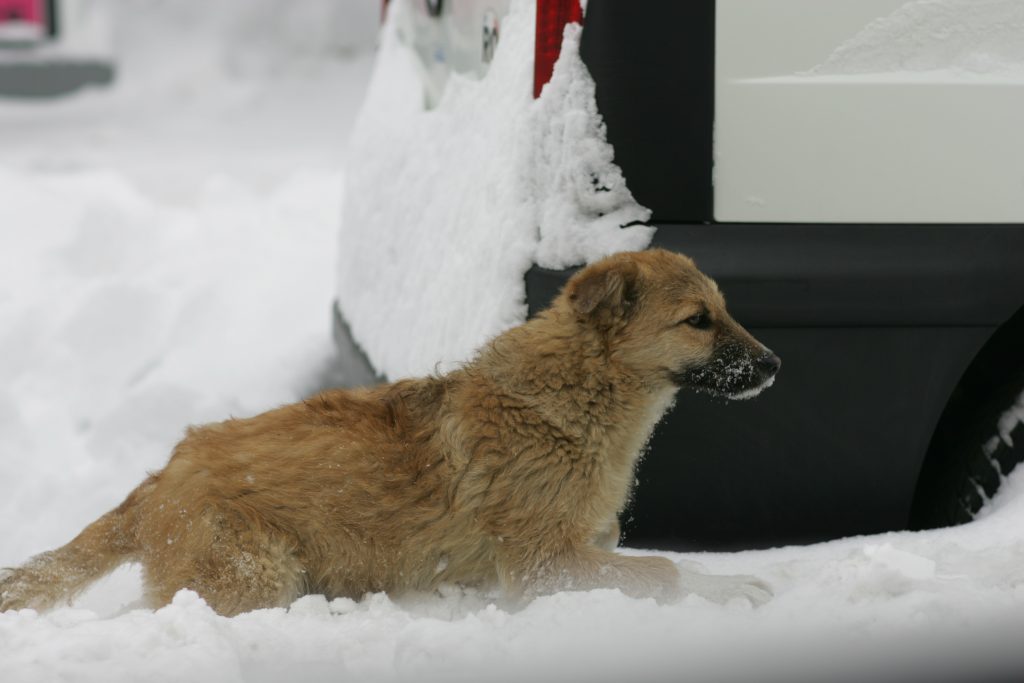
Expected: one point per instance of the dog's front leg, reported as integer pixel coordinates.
(531, 573)
(722, 589)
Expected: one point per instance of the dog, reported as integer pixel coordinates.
(509, 471)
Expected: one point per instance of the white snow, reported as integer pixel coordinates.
(963, 39)
(166, 253)
(167, 256)
(755, 392)
(449, 207)
(1009, 488)
(1009, 420)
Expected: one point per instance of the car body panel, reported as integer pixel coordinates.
(461, 38)
(803, 133)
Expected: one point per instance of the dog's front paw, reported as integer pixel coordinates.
(722, 589)
(755, 590)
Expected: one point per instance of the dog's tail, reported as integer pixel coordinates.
(61, 574)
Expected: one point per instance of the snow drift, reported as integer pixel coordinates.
(449, 208)
(969, 36)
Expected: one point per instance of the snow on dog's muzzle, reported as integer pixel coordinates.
(767, 367)
(733, 372)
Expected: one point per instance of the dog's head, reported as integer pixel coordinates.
(666, 322)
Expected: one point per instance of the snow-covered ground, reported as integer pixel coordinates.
(167, 256)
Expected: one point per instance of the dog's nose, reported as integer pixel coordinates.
(769, 363)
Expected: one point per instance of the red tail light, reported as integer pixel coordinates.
(29, 11)
(552, 16)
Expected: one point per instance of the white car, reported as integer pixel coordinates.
(53, 47)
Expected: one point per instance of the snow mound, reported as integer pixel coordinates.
(449, 208)
(972, 36)
(167, 255)
(582, 195)
(123, 319)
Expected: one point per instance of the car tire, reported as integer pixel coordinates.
(434, 7)
(968, 459)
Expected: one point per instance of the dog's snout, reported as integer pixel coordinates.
(769, 363)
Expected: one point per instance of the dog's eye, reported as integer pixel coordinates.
(701, 321)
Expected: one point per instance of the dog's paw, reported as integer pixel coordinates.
(722, 589)
(755, 590)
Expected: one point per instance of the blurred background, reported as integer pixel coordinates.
(171, 179)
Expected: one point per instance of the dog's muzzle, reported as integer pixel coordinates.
(732, 373)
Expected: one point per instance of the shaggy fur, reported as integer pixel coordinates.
(511, 470)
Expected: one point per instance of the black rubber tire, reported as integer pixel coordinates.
(967, 460)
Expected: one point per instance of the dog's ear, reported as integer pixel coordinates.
(605, 292)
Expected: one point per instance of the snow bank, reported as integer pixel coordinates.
(450, 207)
(968, 36)
(943, 605)
(123, 319)
(166, 258)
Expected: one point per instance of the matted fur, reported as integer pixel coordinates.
(511, 470)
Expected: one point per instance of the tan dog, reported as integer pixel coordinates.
(511, 470)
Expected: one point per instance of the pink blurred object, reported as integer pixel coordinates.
(31, 11)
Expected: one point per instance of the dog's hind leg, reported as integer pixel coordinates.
(61, 574)
(233, 568)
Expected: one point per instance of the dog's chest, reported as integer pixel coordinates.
(617, 446)
(627, 433)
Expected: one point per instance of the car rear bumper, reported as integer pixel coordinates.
(52, 76)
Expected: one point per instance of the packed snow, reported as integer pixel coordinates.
(168, 256)
(441, 249)
(961, 39)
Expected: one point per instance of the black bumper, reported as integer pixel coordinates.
(52, 77)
